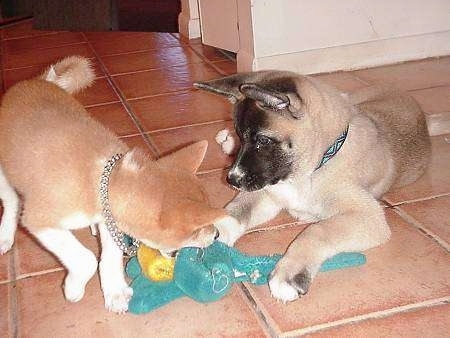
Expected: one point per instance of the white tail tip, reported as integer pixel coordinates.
(72, 73)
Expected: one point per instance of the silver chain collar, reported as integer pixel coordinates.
(120, 238)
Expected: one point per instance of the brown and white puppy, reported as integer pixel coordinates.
(52, 154)
(285, 123)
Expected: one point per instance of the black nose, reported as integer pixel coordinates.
(217, 234)
(234, 180)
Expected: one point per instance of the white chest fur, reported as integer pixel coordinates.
(297, 198)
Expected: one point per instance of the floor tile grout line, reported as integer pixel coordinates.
(387, 203)
(27, 51)
(129, 135)
(12, 264)
(137, 50)
(421, 199)
(211, 171)
(157, 68)
(287, 225)
(101, 103)
(422, 228)
(128, 108)
(53, 32)
(368, 316)
(32, 36)
(262, 309)
(32, 50)
(207, 61)
(229, 57)
(38, 273)
(432, 87)
(217, 69)
(265, 323)
(42, 64)
(429, 87)
(162, 68)
(175, 92)
(154, 131)
(153, 148)
(14, 314)
(6, 281)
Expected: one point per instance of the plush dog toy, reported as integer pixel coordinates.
(205, 275)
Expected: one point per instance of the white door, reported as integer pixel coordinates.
(219, 23)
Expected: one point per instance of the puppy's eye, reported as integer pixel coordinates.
(278, 107)
(263, 140)
(264, 106)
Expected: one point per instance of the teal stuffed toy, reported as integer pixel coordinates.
(206, 275)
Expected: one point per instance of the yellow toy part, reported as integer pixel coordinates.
(155, 266)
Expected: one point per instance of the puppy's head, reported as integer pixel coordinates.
(162, 203)
(279, 118)
(261, 101)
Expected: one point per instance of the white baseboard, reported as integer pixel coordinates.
(355, 56)
(188, 27)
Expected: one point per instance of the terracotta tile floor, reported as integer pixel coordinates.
(144, 93)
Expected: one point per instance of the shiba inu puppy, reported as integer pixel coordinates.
(323, 156)
(71, 172)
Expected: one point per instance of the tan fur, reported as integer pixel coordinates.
(53, 153)
(387, 145)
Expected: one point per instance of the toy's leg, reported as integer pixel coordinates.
(116, 291)
(358, 226)
(80, 262)
(8, 224)
(247, 210)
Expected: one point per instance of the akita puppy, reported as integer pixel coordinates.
(71, 172)
(323, 156)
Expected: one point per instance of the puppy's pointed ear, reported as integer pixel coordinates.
(227, 86)
(267, 97)
(189, 158)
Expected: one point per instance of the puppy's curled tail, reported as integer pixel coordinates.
(72, 73)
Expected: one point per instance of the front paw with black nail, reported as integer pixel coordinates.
(287, 286)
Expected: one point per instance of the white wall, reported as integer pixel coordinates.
(326, 35)
(311, 36)
(300, 25)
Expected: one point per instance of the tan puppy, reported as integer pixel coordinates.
(54, 155)
(323, 156)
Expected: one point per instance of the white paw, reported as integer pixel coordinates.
(5, 245)
(229, 230)
(222, 135)
(74, 288)
(117, 301)
(226, 141)
(281, 290)
(76, 280)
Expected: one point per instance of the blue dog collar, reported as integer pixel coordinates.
(333, 149)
